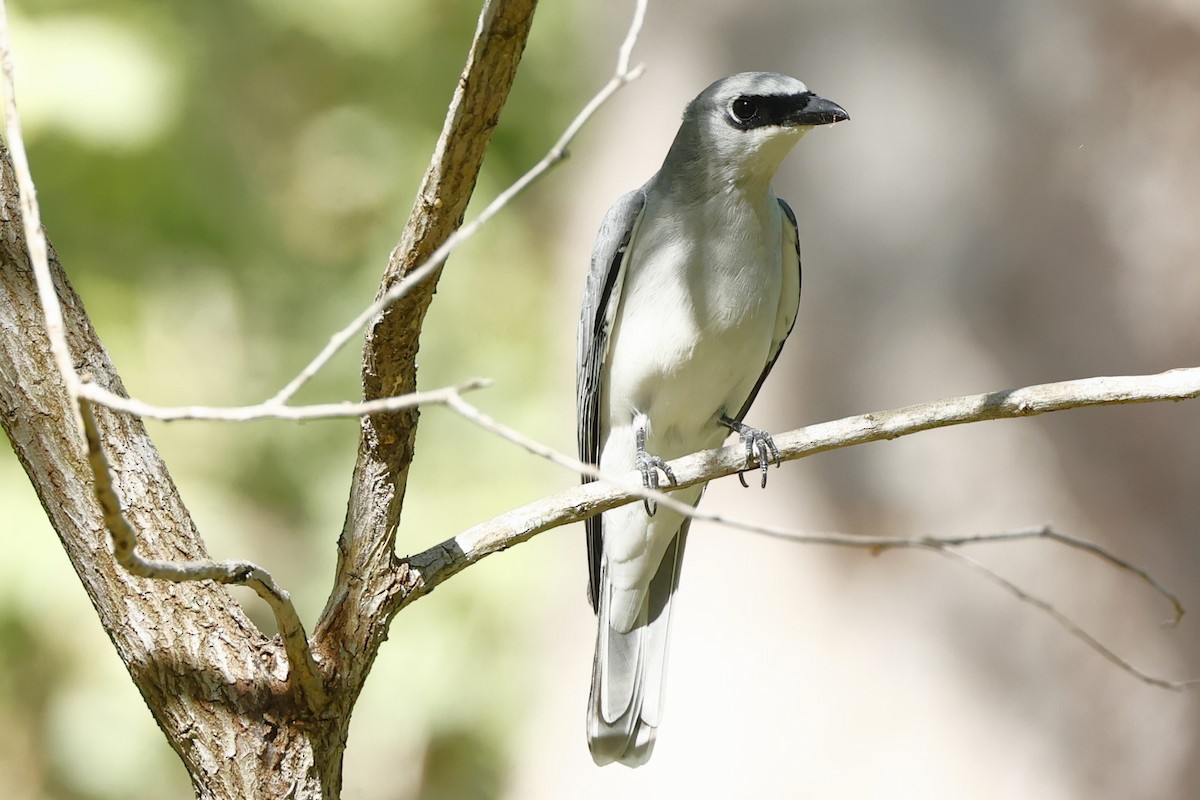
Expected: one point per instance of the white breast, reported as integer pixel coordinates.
(697, 315)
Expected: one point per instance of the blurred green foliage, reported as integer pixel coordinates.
(223, 182)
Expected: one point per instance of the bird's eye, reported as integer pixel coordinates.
(743, 109)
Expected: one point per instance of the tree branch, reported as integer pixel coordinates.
(611, 491)
(367, 581)
(426, 570)
(351, 626)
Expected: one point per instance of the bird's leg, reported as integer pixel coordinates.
(649, 466)
(760, 447)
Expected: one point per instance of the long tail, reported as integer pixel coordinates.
(630, 669)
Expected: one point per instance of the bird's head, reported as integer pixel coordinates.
(743, 126)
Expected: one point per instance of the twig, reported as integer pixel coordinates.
(102, 397)
(472, 414)
(877, 544)
(1069, 625)
(35, 237)
(948, 546)
(623, 75)
(1048, 533)
(303, 670)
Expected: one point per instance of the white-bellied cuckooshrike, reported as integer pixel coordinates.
(693, 287)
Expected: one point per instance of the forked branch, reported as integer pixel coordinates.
(303, 673)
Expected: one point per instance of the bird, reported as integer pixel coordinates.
(694, 285)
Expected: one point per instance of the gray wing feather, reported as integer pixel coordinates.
(600, 298)
(777, 346)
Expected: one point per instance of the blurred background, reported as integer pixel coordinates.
(1016, 200)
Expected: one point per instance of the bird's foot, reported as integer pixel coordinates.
(760, 448)
(649, 466)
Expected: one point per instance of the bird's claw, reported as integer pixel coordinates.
(649, 466)
(760, 448)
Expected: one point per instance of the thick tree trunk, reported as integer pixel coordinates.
(215, 684)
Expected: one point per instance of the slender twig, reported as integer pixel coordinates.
(949, 545)
(878, 544)
(102, 397)
(35, 237)
(623, 75)
(303, 670)
(1092, 549)
(1069, 625)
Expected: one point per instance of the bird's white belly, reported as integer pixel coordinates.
(689, 346)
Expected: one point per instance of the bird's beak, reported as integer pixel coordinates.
(816, 110)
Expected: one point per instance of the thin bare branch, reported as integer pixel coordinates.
(1176, 384)
(612, 491)
(100, 396)
(625, 54)
(1069, 625)
(1049, 534)
(276, 407)
(623, 75)
(949, 545)
(303, 672)
(35, 237)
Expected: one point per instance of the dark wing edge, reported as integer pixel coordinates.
(777, 346)
(600, 296)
